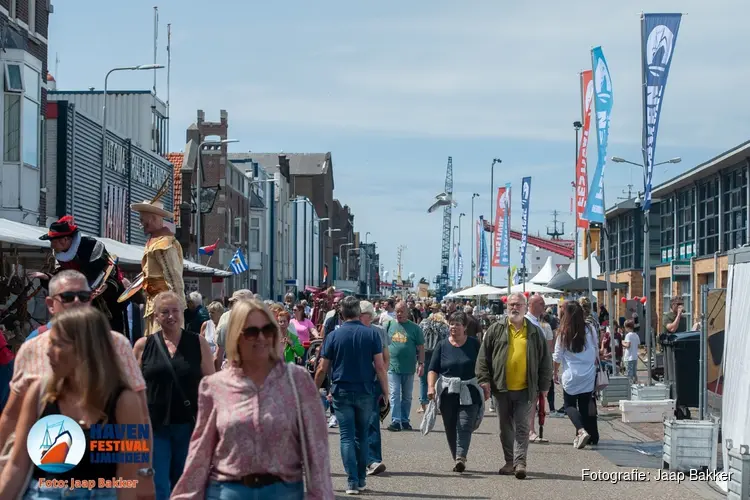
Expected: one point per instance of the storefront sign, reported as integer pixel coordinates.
(680, 268)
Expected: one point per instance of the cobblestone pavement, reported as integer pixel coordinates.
(420, 467)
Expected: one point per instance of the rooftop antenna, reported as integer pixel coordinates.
(156, 46)
(630, 193)
(555, 234)
(57, 66)
(169, 69)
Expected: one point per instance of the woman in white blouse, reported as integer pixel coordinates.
(577, 351)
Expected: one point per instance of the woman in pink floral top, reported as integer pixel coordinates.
(247, 442)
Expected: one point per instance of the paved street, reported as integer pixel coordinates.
(420, 467)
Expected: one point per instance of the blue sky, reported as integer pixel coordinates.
(392, 90)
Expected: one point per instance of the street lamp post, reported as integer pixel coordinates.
(367, 268)
(492, 208)
(142, 67)
(455, 258)
(312, 242)
(248, 174)
(646, 261)
(341, 260)
(199, 186)
(473, 222)
(577, 126)
(458, 249)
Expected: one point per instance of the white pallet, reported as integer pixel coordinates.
(656, 392)
(646, 411)
(690, 444)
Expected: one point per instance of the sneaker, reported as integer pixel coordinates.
(352, 490)
(394, 427)
(362, 488)
(332, 422)
(375, 468)
(520, 471)
(507, 469)
(406, 426)
(460, 465)
(583, 439)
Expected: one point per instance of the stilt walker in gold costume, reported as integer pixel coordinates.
(162, 257)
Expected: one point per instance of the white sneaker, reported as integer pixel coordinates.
(375, 468)
(350, 491)
(332, 422)
(583, 439)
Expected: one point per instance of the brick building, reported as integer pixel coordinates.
(342, 239)
(23, 53)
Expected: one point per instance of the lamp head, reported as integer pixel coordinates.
(577, 125)
(675, 160)
(617, 159)
(149, 66)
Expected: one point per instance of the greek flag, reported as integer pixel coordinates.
(238, 265)
(460, 265)
(484, 256)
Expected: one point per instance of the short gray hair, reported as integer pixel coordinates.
(196, 298)
(67, 276)
(366, 307)
(520, 296)
(350, 308)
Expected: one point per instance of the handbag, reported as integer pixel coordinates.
(175, 381)
(301, 426)
(602, 379)
(7, 449)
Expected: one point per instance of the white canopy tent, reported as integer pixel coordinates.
(476, 291)
(583, 267)
(531, 288)
(545, 273)
(28, 235)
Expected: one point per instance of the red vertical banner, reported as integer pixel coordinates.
(497, 235)
(582, 183)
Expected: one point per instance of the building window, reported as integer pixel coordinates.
(626, 242)
(237, 234)
(666, 294)
(31, 118)
(613, 246)
(708, 217)
(13, 78)
(255, 234)
(735, 208)
(667, 229)
(686, 224)
(32, 15)
(12, 128)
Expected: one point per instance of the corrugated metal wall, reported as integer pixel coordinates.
(82, 166)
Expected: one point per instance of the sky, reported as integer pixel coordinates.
(392, 89)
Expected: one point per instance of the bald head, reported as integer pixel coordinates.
(536, 305)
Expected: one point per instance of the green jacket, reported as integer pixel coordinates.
(294, 350)
(493, 355)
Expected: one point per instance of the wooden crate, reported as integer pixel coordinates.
(690, 444)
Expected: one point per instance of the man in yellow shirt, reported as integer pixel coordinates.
(514, 366)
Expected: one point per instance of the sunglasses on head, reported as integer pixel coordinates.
(68, 297)
(252, 332)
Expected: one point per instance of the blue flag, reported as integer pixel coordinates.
(238, 264)
(484, 256)
(525, 196)
(602, 109)
(658, 38)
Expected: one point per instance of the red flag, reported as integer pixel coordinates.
(582, 190)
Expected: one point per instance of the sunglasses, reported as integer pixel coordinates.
(252, 332)
(68, 297)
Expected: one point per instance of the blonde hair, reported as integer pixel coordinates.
(438, 317)
(215, 307)
(237, 319)
(166, 295)
(98, 373)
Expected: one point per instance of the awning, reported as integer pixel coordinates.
(28, 235)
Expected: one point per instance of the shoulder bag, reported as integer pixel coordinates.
(175, 381)
(301, 426)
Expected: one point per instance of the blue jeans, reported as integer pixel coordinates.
(375, 450)
(236, 491)
(171, 444)
(633, 370)
(401, 386)
(423, 388)
(34, 492)
(353, 411)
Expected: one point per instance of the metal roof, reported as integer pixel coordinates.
(299, 163)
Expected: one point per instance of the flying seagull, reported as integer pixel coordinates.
(443, 200)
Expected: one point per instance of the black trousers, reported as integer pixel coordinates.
(578, 408)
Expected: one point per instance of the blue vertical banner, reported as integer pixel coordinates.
(505, 234)
(658, 39)
(602, 109)
(525, 196)
(484, 255)
(460, 266)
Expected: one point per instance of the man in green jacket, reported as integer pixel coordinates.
(514, 366)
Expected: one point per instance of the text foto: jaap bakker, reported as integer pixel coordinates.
(88, 484)
(639, 475)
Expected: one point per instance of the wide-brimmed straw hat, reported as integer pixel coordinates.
(149, 207)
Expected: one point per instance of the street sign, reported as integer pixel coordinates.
(290, 282)
(681, 268)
